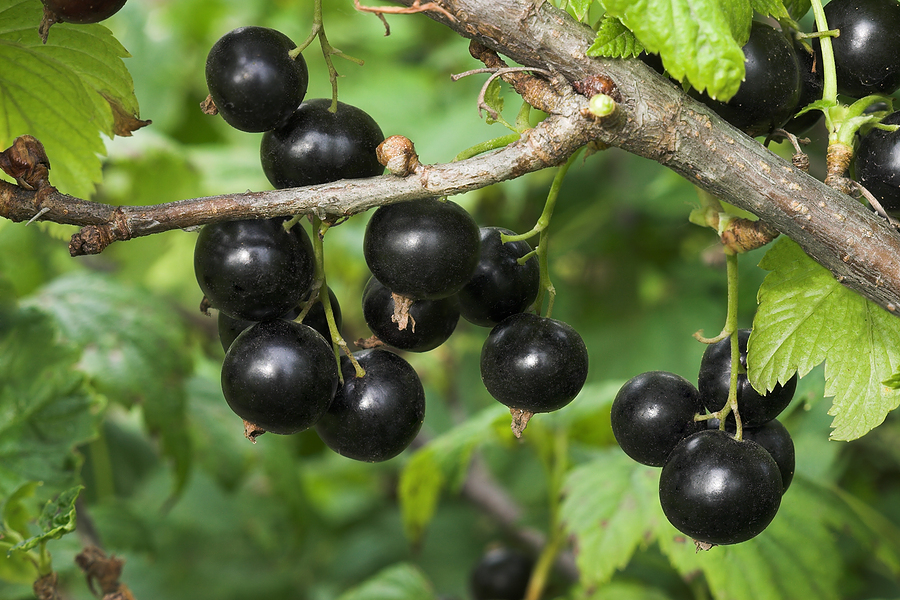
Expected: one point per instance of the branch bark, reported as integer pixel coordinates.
(655, 120)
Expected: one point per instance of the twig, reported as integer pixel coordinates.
(415, 7)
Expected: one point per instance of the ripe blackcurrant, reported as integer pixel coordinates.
(500, 286)
(430, 322)
(775, 438)
(719, 490)
(319, 146)
(279, 376)
(867, 52)
(501, 574)
(375, 417)
(533, 363)
(422, 248)
(715, 379)
(82, 11)
(254, 269)
(253, 80)
(877, 164)
(652, 413)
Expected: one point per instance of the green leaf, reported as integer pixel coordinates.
(15, 567)
(15, 512)
(56, 520)
(494, 100)
(806, 317)
(611, 506)
(46, 405)
(770, 8)
(443, 459)
(134, 351)
(398, 582)
(698, 40)
(579, 8)
(797, 8)
(614, 40)
(65, 93)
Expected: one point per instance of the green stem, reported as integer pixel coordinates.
(540, 228)
(318, 31)
(731, 318)
(493, 144)
(337, 342)
(558, 469)
(829, 91)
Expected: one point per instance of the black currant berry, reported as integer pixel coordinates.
(533, 363)
(715, 380)
(375, 417)
(422, 248)
(769, 93)
(652, 413)
(718, 490)
(775, 438)
(229, 327)
(253, 80)
(877, 164)
(279, 376)
(867, 52)
(429, 325)
(82, 11)
(319, 146)
(501, 574)
(254, 269)
(500, 286)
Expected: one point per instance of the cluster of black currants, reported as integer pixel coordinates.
(713, 487)
(430, 262)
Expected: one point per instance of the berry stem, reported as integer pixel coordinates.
(492, 144)
(540, 228)
(319, 228)
(829, 90)
(731, 264)
(318, 31)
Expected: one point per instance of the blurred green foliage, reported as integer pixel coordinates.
(170, 482)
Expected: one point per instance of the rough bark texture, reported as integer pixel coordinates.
(654, 120)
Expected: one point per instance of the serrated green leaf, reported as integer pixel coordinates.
(56, 520)
(805, 317)
(698, 40)
(134, 351)
(770, 8)
(47, 409)
(65, 93)
(611, 506)
(398, 582)
(579, 8)
(614, 40)
(444, 459)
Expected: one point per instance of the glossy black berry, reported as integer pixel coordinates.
(280, 376)
(319, 146)
(254, 269)
(422, 248)
(229, 327)
(499, 286)
(430, 322)
(82, 11)
(867, 52)
(770, 91)
(877, 164)
(501, 574)
(652, 412)
(775, 438)
(533, 363)
(253, 80)
(718, 490)
(375, 417)
(715, 379)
